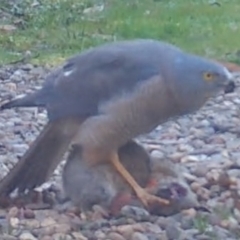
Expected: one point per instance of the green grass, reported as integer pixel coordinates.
(57, 29)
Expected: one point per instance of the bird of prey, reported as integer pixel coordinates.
(85, 186)
(107, 95)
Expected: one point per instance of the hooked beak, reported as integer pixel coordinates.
(230, 86)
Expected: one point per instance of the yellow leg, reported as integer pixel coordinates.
(146, 198)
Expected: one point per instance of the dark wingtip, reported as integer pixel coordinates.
(14, 103)
(6, 105)
(31, 100)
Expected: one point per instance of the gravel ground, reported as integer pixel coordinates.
(206, 143)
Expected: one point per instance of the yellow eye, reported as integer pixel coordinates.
(208, 76)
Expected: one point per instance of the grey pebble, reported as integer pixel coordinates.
(162, 222)
(100, 235)
(139, 236)
(204, 237)
(115, 236)
(187, 222)
(138, 214)
(221, 233)
(174, 232)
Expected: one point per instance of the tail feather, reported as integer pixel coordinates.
(41, 159)
(30, 100)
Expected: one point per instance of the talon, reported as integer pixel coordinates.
(148, 199)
